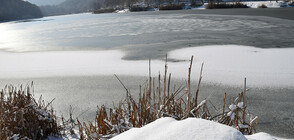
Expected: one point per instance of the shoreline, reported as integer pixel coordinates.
(282, 13)
(271, 105)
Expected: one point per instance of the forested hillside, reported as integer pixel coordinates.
(18, 9)
(68, 7)
(78, 6)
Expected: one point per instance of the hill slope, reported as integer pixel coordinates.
(18, 9)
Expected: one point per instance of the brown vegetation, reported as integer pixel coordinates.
(22, 116)
(262, 6)
(213, 5)
(156, 100)
(171, 7)
(100, 11)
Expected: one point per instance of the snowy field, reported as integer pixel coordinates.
(227, 64)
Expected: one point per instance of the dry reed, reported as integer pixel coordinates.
(149, 107)
(23, 117)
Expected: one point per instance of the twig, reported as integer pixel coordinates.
(198, 87)
(122, 84)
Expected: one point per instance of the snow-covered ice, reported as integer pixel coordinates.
(226, 64)
(229, 64)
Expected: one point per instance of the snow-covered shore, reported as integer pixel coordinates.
(250, 4)
(225, 64)
(268, 4)
(256, 4)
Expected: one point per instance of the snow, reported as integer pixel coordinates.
(231, 114)
(199, 7)
(229, 64)
(188, 129)
(269, 4)
(122, 11)
(240, 105)
(255, 4)
(201, 104)
(232, 107)
(243, 126)
(255, 118)
(260, 136)
(15, 137)
(226, 64)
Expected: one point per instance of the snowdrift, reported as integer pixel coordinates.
(188, 129)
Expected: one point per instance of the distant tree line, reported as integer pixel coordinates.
(18, 9)
(78, 6)
(131, 3)
(68, 7)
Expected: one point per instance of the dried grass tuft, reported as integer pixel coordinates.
(24, 117)
(152, 104)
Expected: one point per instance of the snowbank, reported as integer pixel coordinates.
(227, 64)
(188, 129)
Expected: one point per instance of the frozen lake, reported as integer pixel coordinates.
(72, 58)
(147, 34)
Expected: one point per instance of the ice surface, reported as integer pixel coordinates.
(229, 64)
(226, 64)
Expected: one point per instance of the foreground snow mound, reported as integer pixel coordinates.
(260, 136)
(188, 129)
